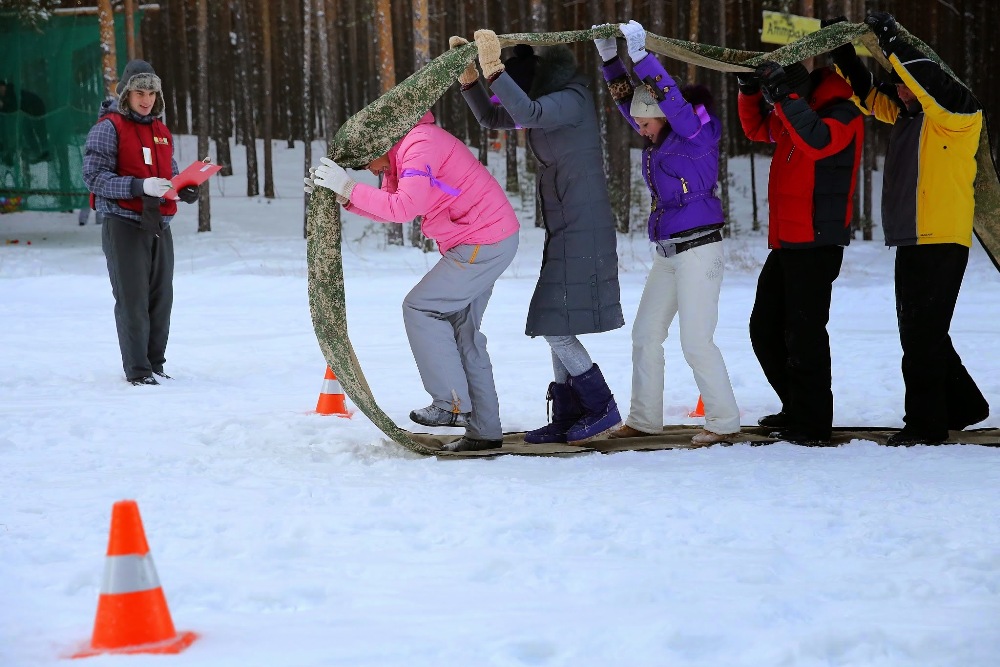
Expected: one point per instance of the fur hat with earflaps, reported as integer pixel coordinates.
(139, 75)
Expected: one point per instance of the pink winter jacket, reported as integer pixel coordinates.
(426, 168)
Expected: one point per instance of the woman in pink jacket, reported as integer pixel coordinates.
(432, 174)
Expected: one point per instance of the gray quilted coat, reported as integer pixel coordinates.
(577, 290)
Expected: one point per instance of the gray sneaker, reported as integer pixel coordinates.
(432, 415)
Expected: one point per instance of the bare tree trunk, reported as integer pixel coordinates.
(220, 51)
(619, 142)
(244, 69)
(130, 48)
(307, 43)
(421, 56)
(106, 19)
(733, 228)
(326, 93)
(512, 184)
(745, 30)
(204, 197)
(387, 79)
(267, 95)
(181, 123)
(538, 21)
(484, 132)
(867, 220)
(693, 20)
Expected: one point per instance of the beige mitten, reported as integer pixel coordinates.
(471, 74)
(489, 53)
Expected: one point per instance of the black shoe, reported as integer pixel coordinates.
(804, 439)
(468, 444)
(146, 379)
(962, 422)
(162, 375)
(908, 437)
(777, 420)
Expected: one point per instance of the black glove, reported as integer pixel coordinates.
(189, 194)
(845, 52)
(773, 82)
(884, 26)
(749, 85)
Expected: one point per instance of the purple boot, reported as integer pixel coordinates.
(600, 413)
(566, 411)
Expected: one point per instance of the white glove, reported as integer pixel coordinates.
(607, 47)
(310, 183)
(635, 37)
(155, 187)
(331, 175)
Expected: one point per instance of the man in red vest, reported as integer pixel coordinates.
(127, 166)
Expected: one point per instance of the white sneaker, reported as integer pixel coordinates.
(705, 438)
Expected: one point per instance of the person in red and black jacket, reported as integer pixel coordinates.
(817, 132)
(127, 166)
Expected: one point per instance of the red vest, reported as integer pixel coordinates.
(132, 138)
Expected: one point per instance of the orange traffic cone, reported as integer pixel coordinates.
(699, 410)
(331, 397)
(132, 613)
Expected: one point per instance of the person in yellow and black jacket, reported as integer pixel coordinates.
(927, 212)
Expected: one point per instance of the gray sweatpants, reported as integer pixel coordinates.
(442, 315)
(141, 268)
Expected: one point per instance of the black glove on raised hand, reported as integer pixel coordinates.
(749, 85)
(883, 24)
(773, 82)
(845, 52)
(189, 194)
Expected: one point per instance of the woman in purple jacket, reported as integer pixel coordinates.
(680, 165)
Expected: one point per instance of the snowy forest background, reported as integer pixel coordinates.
(295, 70)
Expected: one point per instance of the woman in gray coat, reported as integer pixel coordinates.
(577, 290)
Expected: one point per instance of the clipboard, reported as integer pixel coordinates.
(197, 173)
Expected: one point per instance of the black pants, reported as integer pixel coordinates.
(789, 337)
(940, 393)
(141, 268)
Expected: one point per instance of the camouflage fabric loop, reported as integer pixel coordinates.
(371, 132)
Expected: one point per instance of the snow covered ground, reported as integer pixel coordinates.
(288, 538)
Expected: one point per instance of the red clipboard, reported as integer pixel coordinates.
(197, 173)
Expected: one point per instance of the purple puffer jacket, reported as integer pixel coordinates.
(681, 171)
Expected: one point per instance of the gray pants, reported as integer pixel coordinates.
(141, 268)
(569, 357)
(442, 315)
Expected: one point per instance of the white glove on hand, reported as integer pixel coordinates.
(155, 187)
(331, 175)
(607, 47)
(635, 37)
(310, 183)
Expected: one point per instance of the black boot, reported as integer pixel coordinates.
(566, 410)
(600, 412)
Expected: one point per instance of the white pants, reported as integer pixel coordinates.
(688, 285)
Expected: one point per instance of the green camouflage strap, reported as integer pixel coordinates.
(371, 132)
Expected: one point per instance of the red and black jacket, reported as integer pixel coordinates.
(815, 165)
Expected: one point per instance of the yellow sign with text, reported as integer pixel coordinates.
(780, 28)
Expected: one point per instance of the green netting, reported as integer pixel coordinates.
(55, 87)
(372, 131)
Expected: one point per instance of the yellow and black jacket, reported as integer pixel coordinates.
(930, 164)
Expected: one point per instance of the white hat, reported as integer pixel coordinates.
(644, 106)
